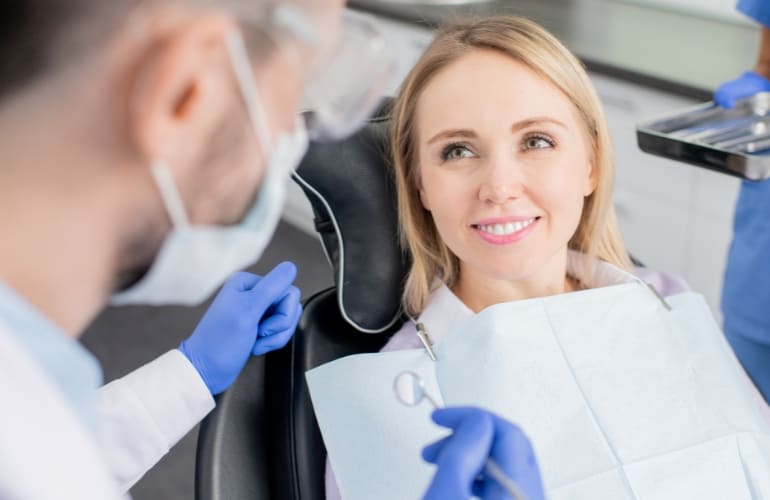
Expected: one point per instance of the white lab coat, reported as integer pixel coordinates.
(46, 451)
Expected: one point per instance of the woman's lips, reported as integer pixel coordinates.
(504, 231)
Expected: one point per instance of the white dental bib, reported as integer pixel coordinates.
(622, 398)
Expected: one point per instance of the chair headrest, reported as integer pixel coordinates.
(352, 192)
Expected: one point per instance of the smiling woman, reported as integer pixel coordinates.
(503, 161)
(524, 301)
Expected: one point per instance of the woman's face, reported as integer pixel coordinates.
(504, 166)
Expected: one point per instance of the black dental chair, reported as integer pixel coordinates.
(262, 440)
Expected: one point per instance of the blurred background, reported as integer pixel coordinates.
(646, 58)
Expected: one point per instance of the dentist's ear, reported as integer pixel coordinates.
(181, 90)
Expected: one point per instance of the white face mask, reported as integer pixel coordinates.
(195, 260)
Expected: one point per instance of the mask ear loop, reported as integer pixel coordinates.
(169, 194)
(236, 48)
(281, 17)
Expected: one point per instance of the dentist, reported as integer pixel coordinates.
(746, 291)
(145, 148)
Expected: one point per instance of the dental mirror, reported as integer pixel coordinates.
(410, 391)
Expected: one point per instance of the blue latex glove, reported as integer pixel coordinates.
(746, 85)
(461, 456)
(249, 316)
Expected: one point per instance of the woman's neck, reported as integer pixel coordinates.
(479, 290)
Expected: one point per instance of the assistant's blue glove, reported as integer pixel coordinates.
(746, 85)
(249, 316)
(479, 435)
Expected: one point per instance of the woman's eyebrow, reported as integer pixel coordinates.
(522, 124)
(452, 133)
(528, 122)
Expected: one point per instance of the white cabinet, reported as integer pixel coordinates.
(674, 217)
(654, 230)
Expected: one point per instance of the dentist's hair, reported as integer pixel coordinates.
(597, 234)
(39, 37)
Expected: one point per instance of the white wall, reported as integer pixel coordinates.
(722, 9)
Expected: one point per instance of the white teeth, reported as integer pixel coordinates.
(507, 228)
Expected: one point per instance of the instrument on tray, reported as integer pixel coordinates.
(732, 141)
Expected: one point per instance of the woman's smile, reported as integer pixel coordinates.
(503, 231)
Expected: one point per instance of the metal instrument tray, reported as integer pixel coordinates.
(732, 141)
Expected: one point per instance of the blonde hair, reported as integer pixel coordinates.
(597, 234)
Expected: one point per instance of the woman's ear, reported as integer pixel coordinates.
(181, 87)
(423, 198)
(592, 181)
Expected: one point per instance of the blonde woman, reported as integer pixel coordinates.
(504, 173)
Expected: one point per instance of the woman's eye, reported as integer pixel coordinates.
(456, 152)
(537, 142)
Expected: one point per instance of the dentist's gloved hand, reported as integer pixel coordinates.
(250, 315)
(746, 85)
(461, 456)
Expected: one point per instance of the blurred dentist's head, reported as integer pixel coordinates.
(93, 93)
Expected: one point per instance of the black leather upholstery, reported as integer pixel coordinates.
(262, 440)
(351, 190)
(232, 457)
(297, 452)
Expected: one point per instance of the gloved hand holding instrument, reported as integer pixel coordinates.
(485, 456)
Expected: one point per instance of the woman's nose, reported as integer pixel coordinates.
(501, 181)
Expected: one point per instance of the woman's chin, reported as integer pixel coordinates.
(511, 268)
(506, 272)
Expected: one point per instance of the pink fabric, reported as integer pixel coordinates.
(406, 338)
(665, 284)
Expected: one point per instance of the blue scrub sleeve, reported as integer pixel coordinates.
(746, 292)
(759, 10)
